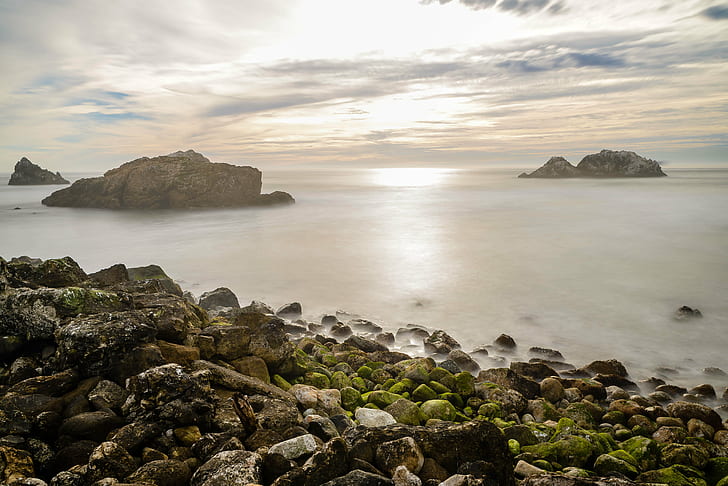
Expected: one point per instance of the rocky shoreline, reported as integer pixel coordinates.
(120, 377)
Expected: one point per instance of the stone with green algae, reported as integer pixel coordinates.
(438, 409)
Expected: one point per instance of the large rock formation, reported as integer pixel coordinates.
(607, 163)
(26, 173)
(178, 180)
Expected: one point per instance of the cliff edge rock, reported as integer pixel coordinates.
(178, 180)
(26, 173)
(607, 163)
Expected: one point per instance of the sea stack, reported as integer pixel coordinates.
(607, 163)
(26, 173)
(178, 180)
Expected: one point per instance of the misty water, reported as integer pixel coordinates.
(593, 268)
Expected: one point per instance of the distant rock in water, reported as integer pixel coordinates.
(607, 163)
(28, 174)
(178, 180)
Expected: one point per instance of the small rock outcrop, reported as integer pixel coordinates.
(26, 173)
(178, 180)
(607, 163)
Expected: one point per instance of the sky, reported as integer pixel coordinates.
(88, 85)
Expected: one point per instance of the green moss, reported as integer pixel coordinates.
(443, 376)
(339, 380)
(453, 398)
(606, 464)
(438, 387)
(403, 385)
(569, 451)
(545, 465)
(380, 376)
(359, 383)
(490, 410)
(381, 398)
(423, 393)
(328, 359)
(319, 380)
(671, 476)
(514, 447)
(405, 412)
(364, 371)
(280, 382)
(645, 451)
(580, 414)
(438, 409)
(351, 399)
(464, 384)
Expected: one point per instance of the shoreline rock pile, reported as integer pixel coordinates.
(178, 180)
(119, 377)
(26, 173)
(607, 163)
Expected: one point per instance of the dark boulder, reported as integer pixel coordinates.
(512, 380)
(555, 167)
(26, 173)
(178, 180)
(449, 445)
(685, 313)
(96, 344)
(220, 297)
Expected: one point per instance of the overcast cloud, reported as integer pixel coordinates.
(87, 85)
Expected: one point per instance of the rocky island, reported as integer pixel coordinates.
(178, 180)
(607, 163)
(120, 377)
(26, 173)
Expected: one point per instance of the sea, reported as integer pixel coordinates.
(593, 268)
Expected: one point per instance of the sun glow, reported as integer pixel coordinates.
(410, 176)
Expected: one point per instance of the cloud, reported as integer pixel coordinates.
(716, 12)
(519, 7)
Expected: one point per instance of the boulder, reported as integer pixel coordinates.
(230, 468)
(220, 297)
(607, 163)
(97, 344)
(450, 445)
(178, 180)
(26, 173)
(685, 313)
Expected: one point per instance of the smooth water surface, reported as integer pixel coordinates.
(594, 268)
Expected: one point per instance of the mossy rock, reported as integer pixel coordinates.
(389, 384)
(443, 376)
(360, 384)
(351, 399)
(280, 382)
(453, 398)
(339, 380)
(364, 372)
(405, 412)
(438, 409)
(490, 410)
(319, 380)
(464, 384)
(543, 464)
(606, 464)
(439, 387)
(671, 476)
(423, 393)
(716, 470)
(569, 451)
(375, 365)
(381, 398)
(614, 417)
(580, 414)
(543, 410)
(380, 376)
(645, 451)
(514, 447)
(329, 360)
(403, 385)
(685, 454)
(417, 373)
